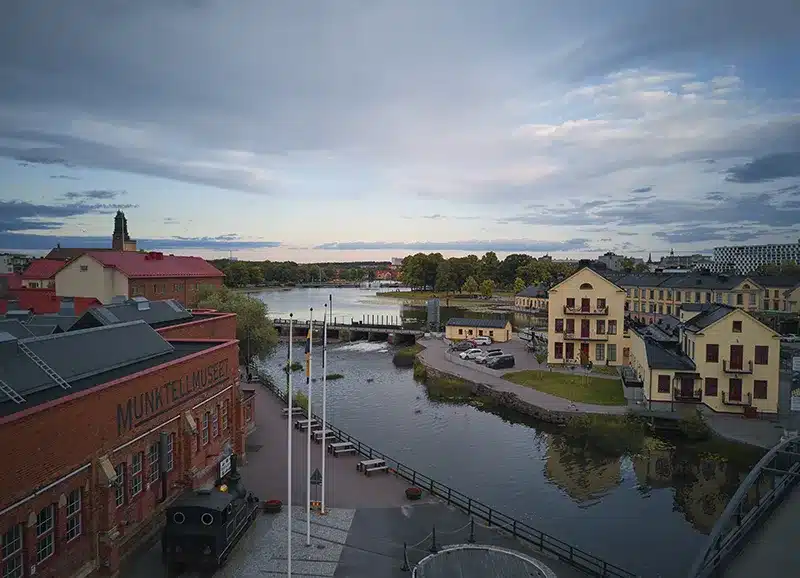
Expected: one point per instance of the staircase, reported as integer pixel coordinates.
(11, 393)
(43, 366)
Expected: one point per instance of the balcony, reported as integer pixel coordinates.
(630, 378)
(572, 336)
(746, 401)
(586, 311)
(744, 368)
(694, 396)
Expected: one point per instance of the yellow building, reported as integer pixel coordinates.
(725, 359)
(792, 299)
(533, 298)
(586, 321)
(459, 328)
(780, 293)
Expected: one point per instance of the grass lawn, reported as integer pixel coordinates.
(606, 370)
(423, 295)
(597, 390)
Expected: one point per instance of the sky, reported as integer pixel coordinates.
(350, 130)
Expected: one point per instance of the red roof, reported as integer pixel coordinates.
(42, 269)
(135, 265)
(14, 280)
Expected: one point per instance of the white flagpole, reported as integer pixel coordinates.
(324, 400)
(289, 455)
(308, 450)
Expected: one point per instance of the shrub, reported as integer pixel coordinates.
(334, 376)
(695, 427)
(609, 434)
(301, 399)
(420, 371)
(405, 357)
(296, 366)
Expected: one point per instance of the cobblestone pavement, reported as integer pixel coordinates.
(435, 356)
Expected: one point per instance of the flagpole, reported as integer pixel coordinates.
(289, 453)
(324, 399)
(310, 413)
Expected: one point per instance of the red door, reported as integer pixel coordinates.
(584, 353)
(585, 304)
(585, 326)
(737, 356)
(570, 326)
(735, 390)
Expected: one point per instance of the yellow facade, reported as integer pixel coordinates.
(792, 300)
(468, 331)
(586, 321)
(536, 303)
(646, 298)
(38, 283)
(86, 277)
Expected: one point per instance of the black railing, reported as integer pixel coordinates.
(565, 552)
(374, 322)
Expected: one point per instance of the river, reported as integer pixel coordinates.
(647, 513)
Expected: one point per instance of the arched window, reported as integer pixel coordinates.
(746, 286)
(586, 287)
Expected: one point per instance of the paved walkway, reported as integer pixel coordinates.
(755, 432)
(434, 355)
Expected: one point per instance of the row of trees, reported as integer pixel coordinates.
(276, 273)
(473, 274)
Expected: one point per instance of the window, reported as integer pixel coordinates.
(611, 353)
(663, 384)
(461, 332)
(154, 470)
(136, 473)
(215, 423)
(225, 415)
(669, 309)
(669, 294)
(697, 297)
(739, 299)
(708, 297)
(480, 332)
(737, 327)
(570, 351)
(558, 352)
(612, 326)
(652, 294)
(712, 352)
(45, 522)
(119, 489)
(752, 298)
(677, 295)
(570, 326)
(74, 524)
(176, 287)
(601, 304)
(170, 452)
(559, 325)
(136, 290)
(84, 268)
(711, 386)
(601, 326)
(660, 293)
(600, 352)
(760, 389)
(762, 355)
(586, 287)
(570, 302)
(12, 552)
(491, 333)
(636, 292)
(205, 428)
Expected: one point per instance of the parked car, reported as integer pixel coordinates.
(483, 340)
(488, 354)
(790, 338)
(505, 361)
(471, 353)
(463, 345)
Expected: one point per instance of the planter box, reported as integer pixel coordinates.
(413, 493)
(272, 506)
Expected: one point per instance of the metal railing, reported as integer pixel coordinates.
(744, 367)
(575, 557)
(379, 322)
(767, 484)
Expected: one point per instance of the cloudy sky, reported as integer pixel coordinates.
(342, 130)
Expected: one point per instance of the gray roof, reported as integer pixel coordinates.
(154, 313)
(42, 330)
(708, 317)
(660, 356)
(486, 323)
(533, 291)
(14, 328)
(776, 281)
(76, 355)
(665, 329)
(682, 281)
(696, 306)
(63, 322)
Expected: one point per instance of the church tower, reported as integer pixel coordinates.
(121, 240)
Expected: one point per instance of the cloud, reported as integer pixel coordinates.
(500, 246)
(642, 190)
(25, 216)
(765, 169)
(98, 195)
(36, 242)
(171, 221)
(65, 177)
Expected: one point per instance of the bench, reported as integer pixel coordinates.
(383, 468)
(337, 451)
(319, 435)
(295, 410)
(339, 446)
(304, 423)
(364, 464)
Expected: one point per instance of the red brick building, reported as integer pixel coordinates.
(102, 427)
(155, 276)
(41, 274)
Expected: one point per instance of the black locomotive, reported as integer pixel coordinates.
(203, 526)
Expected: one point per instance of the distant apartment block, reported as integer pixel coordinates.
(747, 259)
(692, 262)
(614, 262)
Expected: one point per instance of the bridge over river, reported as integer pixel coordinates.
(374, 328)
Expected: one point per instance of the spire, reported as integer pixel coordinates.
(650, 258)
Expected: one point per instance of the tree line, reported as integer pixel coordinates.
(279, 273)
(473, 274)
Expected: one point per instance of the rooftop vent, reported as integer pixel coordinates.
(142, 304)
(118, 299)
(154, 256)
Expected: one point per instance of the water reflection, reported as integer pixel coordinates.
(585, 477)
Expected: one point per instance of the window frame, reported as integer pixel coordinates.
(137, 474)
(45, 533)
(120, 494)
(153, 464)
(761, 355)
(205, 428)
(74, 515)
(757, 384)
(707, 390)
(224, 420)
(712, 352)
(664, 379)
(12, 563)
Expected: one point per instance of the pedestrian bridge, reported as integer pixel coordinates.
(376, 329)
(766, 505)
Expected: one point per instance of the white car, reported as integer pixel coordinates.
(483, 358)
(483, 340)
(790, 338)
(471, 353)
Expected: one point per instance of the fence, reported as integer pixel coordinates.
(565, 552)
(455, 358)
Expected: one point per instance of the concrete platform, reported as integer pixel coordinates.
(364, 531)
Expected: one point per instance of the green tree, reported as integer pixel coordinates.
(446, 278)
(487, 287)
(519, 285)
(470, 286)
(640, 268)
(412, 271)
(490, 266)
(541, 359)
(254, 330)
(508, 268)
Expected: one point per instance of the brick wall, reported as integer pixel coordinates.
(44, 446)
(220, 326)
(184, 289)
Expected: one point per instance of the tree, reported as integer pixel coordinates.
(490, 266)
(470, 286)
(487, 287)
(541, 359)
(640, 268)
(412, 272)
(255, 332)
(509, 266)
(519, 285)
(788, 268)
(446, 278)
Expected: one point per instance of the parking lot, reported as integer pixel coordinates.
(523, 358)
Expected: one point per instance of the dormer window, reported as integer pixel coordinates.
(586, 287)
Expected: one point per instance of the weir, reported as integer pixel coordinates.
(375, 328)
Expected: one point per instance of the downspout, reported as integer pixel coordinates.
(650, 387)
